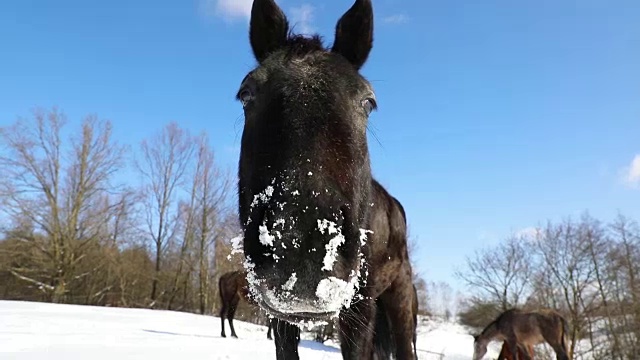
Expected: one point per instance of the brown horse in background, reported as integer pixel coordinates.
(232, 286)
(505, 354)
(527, 328)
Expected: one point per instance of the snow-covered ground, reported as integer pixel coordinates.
(437, 337)
(30, 330)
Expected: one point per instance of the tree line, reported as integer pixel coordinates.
(586, 268)
(87, 220)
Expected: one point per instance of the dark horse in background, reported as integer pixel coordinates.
(322, 238)
(232, 286)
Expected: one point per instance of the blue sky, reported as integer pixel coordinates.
(493, 115)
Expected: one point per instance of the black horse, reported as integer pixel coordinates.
(232, 286)
(322, 238)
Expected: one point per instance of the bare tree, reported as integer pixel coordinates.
(165, 161)
(442, 299)
(424, 297)
(121, 233)
(114, 229)
(54, 187)
(502, 273)
(622, 267)
(417, 277)
(73, 235)
(213, 191)
(565, 253)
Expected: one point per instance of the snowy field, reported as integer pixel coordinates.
(30, 331)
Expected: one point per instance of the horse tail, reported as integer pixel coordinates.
(383, 341)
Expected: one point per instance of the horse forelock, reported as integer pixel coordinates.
(299, 45)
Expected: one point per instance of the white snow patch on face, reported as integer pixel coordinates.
(335, 293)
(288, 286)
(332, 252)
(334, 243)
(332, 293)
(236, 246)
(310, 324)
(326, 224)
(275, 224)
(363, 235)
(252, 280)
(285, 301)
(266, 239)
(263, 196)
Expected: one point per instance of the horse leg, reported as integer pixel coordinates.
(512, 345)
(232, 312)
(561, 352)
(397, 300)
(223, 312)
(504, 353)
(559, 346)
(523, 352)
(269, 329)
(355, 329)
(415, 340)
(529, 351)
(287, 338)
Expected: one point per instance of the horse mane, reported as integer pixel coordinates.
(300, 46)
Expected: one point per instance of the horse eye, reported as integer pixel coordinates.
(245, 97)
(369, 105)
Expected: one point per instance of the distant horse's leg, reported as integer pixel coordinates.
(529, 351)
(513, 347)
(561, 353)
(504, 353)
(355, 330)
(269, 329)
(397, 300)
(223, 312)
(287, 338)
(523, 352)
(559, 346)
(232, 311)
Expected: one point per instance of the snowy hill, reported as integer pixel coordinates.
(30, 330)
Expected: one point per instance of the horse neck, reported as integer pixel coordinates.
(490, 332)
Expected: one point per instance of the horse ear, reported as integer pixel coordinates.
(268, 28)
(354, 33)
